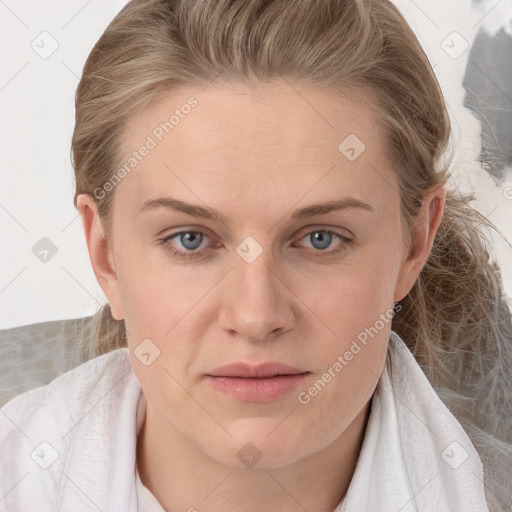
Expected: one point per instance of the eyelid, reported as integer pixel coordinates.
(180, 253)
(333, 251)
(200, 231)
(322, 227)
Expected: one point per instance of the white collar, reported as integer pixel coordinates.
(415, 457)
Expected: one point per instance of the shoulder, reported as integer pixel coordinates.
(67, 390)
(432, 445)
(44, 432)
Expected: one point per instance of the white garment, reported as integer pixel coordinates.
(71, 445)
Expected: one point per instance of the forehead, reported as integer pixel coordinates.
(276, 142)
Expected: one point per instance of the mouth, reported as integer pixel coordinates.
(256, 383)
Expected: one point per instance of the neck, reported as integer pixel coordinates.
(181, 477)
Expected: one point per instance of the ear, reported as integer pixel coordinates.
(422, 238)
(99, 253)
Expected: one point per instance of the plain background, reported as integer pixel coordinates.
(36, 123)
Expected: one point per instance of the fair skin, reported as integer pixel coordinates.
(256, 156)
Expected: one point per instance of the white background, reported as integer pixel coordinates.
(37, 181)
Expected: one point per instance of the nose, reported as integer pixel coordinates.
(259, 304)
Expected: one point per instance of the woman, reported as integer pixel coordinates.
(264, 193)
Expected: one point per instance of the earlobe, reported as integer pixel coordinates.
(424, 231)
(100, 253)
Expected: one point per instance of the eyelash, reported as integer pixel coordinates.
(188, 255)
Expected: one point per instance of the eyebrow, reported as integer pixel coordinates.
(209, 213)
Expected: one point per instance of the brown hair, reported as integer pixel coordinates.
(455, 319)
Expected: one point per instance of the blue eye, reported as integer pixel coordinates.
(191, 241)
(322, 239)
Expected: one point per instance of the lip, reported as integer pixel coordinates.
(262, 382)
(262, 370)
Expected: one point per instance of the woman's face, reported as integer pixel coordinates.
(221, 258)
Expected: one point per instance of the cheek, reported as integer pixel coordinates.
(159, 304)
(352, 296)
(156, 297)
(356, 311)
(333, 398)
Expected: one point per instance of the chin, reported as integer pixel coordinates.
(258, 447)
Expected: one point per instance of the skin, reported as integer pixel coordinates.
(256, 156)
